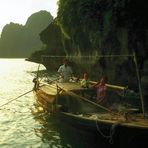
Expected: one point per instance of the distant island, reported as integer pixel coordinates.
(20, 41)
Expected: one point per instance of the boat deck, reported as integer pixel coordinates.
(71, 86)
(48, 89)
(52, 88)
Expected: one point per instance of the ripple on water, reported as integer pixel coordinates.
(19, 127)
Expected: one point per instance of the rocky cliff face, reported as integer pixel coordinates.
(100, 27)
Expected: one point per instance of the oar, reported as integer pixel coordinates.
(89, 101)
(16, 98)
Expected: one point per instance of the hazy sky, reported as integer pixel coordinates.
(18, 11)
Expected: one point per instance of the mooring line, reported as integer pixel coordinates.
(16, 98)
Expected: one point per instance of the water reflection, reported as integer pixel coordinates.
(19, 126)
(55, 133)
(48, 131)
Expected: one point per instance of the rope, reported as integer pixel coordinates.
(16, 98)
(111, 133)
(98, 56)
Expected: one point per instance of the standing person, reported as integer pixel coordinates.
(65, 71)
(101, 90)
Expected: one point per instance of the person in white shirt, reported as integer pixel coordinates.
(65, 71)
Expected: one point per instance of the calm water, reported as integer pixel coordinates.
(19, 126)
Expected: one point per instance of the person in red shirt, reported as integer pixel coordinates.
(101, 90)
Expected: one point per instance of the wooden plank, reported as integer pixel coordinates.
(111, 86)
(108, 85)
(70, 86)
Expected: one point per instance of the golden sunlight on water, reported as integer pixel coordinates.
(14, 77)
(19, 125)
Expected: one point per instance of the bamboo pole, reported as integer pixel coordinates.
(108, 85)
(111, 86)
(16, 98)
(139, 85)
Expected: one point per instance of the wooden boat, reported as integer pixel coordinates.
(75, 105)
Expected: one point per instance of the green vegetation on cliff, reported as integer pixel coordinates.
(100, 27)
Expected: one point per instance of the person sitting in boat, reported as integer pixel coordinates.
(65, 72)
(101, 90)
(85, 81)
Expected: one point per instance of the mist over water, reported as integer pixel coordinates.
(20, 126)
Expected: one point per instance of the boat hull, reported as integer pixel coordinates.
(108, 133)
(45, 97)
